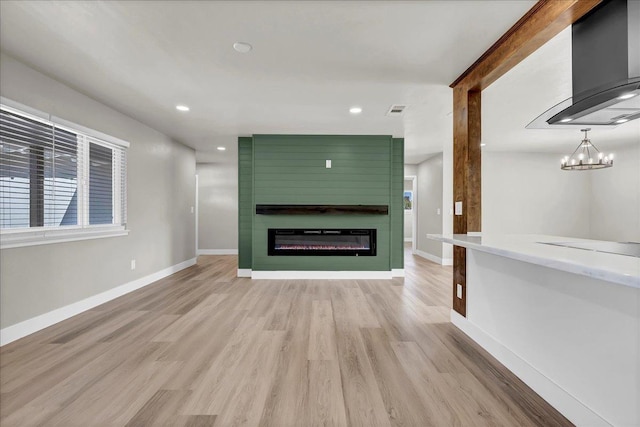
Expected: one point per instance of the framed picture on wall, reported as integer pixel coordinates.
(408, 201)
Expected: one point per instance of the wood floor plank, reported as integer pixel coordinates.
(287, 402)
(326, 402)
(436, 399)
(365, 406)
(205, 348)
(395, 387)
(281, 307)
(251, 386)
(61, 391)
(161, 410)
(322, 336)
(214, 390)
(200, 421)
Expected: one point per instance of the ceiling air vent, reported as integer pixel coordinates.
(396, 110)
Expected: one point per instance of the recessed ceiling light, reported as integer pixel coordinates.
(627, 95)
(242, 47)
(567, 120)
(355, 110)
(222, 148)
(182, 108)
(622, 121)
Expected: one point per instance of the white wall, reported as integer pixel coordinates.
(528, 193)
(35, 280)
(447, 197)
(574, 339)
(430, 188)
(217, 206)
(615, 198)
(410, 170)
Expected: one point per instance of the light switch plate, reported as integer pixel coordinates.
(458, 208)
(328, 164)
(459, 291)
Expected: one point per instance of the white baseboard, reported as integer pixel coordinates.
(35, 324)
(286, 274)
(565, 403)
(217, 252)
(397, 272)
(408, 239)
(433, 258)
(244, 272)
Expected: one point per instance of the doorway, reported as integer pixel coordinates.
(410, 198)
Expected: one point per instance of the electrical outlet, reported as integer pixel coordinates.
(192, 210)
(459, 291)
(133, 264)
(438, 211)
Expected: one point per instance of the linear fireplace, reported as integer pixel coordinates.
(315, 241)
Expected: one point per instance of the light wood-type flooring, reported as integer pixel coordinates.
(204, 348)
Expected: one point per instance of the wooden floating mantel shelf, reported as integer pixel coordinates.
(322, 209)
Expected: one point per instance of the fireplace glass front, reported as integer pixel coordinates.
(322, 242)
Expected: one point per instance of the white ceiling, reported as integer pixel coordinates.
(311, 61)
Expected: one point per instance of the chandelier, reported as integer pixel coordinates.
(586, 157)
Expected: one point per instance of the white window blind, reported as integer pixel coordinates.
(54, 176)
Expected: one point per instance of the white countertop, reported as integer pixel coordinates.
(621, 269)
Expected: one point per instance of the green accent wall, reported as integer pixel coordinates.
(245, 200)
(290, 169)
(396, 207)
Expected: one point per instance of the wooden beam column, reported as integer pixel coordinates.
(467, 175)
(540, 24)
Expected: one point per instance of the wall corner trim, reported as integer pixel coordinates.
(244, 272)
(577, 412)
(217, 252)
(433, 258)
(397, 272)
(35, 324)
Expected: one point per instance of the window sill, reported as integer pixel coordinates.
(16, 239)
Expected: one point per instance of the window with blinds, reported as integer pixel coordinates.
(53, 176)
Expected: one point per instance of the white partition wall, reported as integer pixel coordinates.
(575, 340)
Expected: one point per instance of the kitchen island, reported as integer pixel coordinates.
(561, 313)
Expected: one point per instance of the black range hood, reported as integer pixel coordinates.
(605, 69)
